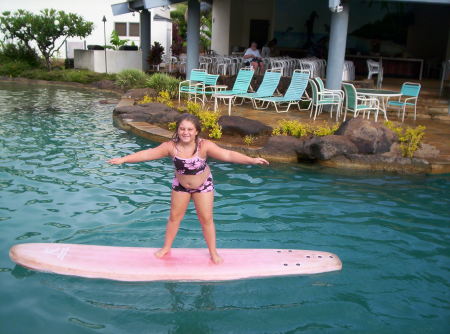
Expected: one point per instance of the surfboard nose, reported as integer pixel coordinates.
(13, 252)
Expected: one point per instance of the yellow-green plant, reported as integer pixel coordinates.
(325, 130)
(216, 132)
(410, 138)
(209, 120)
(298, 129)
(193, 108)
(146, 99)
(249, 139)
(172, 125)
(291, 128)
(164, 97)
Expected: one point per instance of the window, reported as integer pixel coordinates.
(133, 29)
(121, 28)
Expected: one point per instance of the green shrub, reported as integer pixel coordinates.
(410, 138)
(14, 68)
(69, 75)
(131, 78)
(163, 82)
(298, 129)
(18, 52)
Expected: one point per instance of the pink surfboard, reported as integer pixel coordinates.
(181, 264)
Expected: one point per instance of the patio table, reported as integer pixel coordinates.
(383, 95)
(224, 97)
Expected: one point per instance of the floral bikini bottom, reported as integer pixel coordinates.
(207, 186)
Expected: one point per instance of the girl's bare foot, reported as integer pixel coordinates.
(163, 251)
(216, 259)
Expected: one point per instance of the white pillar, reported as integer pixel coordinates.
(220, 34)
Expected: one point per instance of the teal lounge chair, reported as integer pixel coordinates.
(207, 88)
(322, 98)
(357, 103)
(189, 87)
(242, 82)
(267, 88)
(410, 93)
(293, 95)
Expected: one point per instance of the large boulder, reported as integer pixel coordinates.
(139, 93)
(156, 113)
(326, 147)
(105, 84)
(370, 137)
(283, 146)
(232, 125)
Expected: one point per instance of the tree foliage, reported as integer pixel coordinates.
(179, 30)
(48, 29)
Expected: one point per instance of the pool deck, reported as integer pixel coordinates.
(437, 129)
(432, 113)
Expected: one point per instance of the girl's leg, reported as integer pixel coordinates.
(204, 203)
(180, 202)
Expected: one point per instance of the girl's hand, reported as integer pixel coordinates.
(116, 161)
(260, 161)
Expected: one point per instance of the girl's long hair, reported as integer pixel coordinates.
(190, 118)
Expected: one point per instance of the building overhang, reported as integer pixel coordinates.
(136, 5)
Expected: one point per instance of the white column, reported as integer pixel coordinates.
(220, 34)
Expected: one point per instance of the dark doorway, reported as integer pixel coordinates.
(259, 32)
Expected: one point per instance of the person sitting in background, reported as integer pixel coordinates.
(268, 48)
(253, 57)
(265, 51)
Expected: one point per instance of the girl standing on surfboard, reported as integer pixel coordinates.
(192, 179)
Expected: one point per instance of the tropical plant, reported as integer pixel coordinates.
(205, 30)
(156, 53)
(410, 138)
(177, 41)
(179, 28)
(163, 82)
(131, 78)
(116, 41)
(177, 15)
(48, 29)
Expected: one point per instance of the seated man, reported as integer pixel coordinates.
(253, 57)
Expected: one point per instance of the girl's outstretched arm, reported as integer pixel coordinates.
(216, 152)
(159, 152)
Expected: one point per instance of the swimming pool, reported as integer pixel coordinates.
(391, 232)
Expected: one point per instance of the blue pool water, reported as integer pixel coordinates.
(391, 232)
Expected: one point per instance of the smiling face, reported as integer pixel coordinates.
(187, 132)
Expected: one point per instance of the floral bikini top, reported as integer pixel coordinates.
(189, 166)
